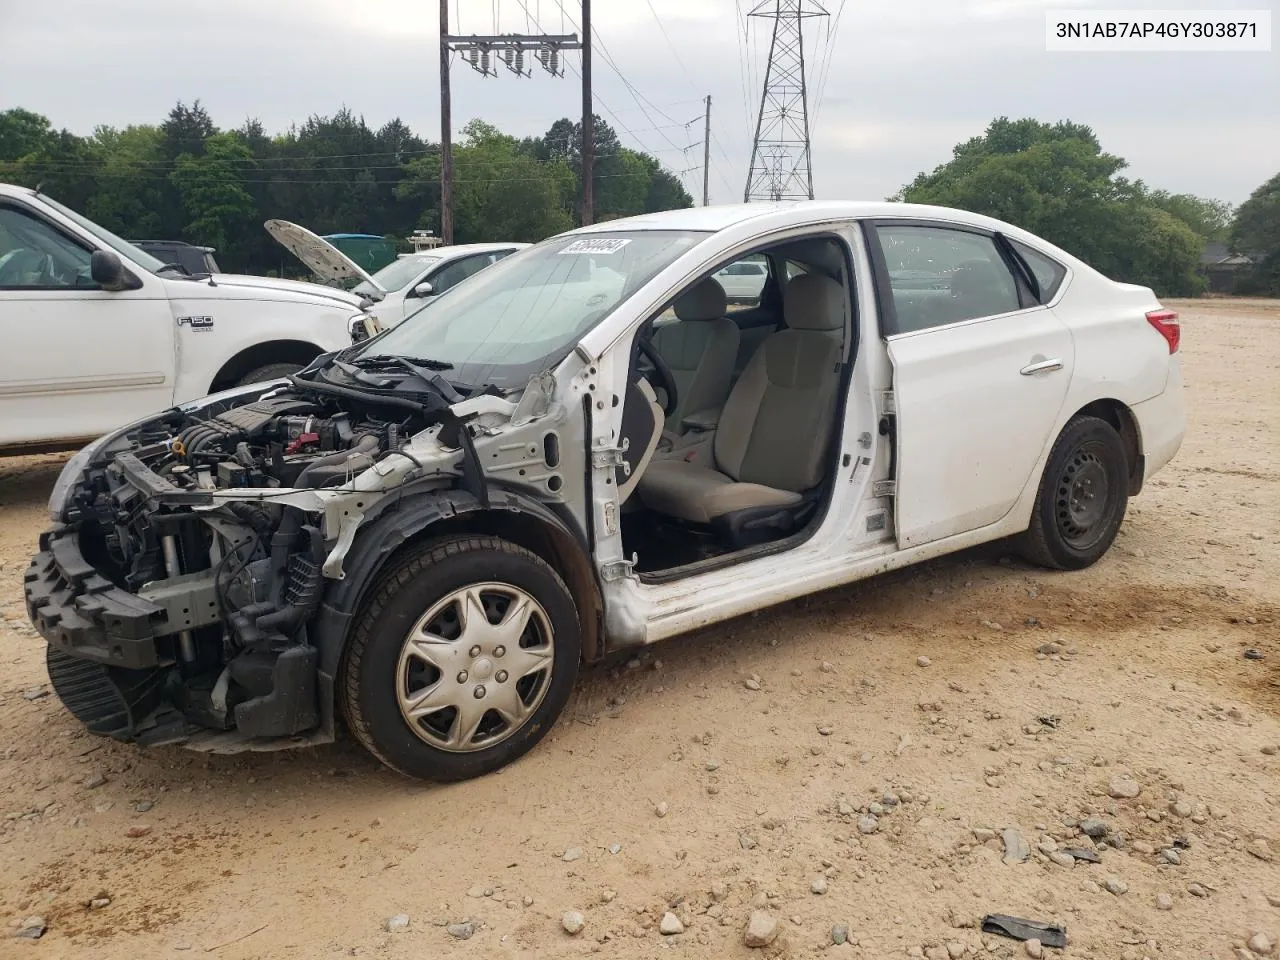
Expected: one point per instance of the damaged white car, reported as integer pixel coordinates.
(581, 450)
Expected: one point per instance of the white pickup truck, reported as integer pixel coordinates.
(98, 333)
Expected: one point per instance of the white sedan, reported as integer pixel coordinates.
(404, 285)
(535, 472)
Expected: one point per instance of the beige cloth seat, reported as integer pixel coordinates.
(700, 349)
(771, 443)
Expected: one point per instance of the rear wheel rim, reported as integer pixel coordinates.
(1082, 497)
(475, 667)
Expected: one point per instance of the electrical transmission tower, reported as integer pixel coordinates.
(780, 161)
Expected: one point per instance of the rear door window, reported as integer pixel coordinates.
(940, 275)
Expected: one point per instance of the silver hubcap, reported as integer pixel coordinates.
(475, 666)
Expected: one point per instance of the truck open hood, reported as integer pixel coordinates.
(325, 260)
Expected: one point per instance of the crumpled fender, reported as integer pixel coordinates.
(391, 523)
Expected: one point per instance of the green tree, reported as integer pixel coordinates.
(185, 179)
(22, 133)
(1256, 233)
(132, 182)
(217, 207)
(500, 192)
(1056, 181)
(1210, 219)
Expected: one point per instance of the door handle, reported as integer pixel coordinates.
(1041, 366)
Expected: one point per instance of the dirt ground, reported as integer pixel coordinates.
(766, 792)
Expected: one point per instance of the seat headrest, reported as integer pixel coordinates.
(706, 301)
(813, 302)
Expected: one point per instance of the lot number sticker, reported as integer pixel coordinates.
(594, 246)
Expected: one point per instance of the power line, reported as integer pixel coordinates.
(833, 32)
(596, 98)
(674, 51)
(636, 95)
(230, 181)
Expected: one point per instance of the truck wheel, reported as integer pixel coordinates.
(1082, 497)
(461, 659)
(271, 371)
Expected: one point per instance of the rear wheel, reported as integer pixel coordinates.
(461, 659)
(269, 372)
(1082, 498)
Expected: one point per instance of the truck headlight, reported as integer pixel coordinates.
(362, 326)
(68, 478)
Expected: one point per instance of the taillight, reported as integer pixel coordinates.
(1166, 324)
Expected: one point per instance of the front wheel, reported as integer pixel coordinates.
(272, 371)
(461, 659)
(1082, 498)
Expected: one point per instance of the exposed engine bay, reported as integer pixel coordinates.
(188, 561)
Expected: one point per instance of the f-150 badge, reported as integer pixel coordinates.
(197, 324)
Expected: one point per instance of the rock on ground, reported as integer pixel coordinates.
(1015, 848)
(762, 930)
(461, 931)
(670, 925)
(573, 922)
(1123, 788)
(1262, 944)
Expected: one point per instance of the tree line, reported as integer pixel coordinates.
(1056, 181)
(186, 179)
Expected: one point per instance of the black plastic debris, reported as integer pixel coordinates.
(1252, 654)
(1049, 935)
(1080, 853)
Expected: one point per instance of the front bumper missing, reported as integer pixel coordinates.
(111, 659)
(85, 615)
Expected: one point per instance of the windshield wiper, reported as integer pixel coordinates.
(388, 360)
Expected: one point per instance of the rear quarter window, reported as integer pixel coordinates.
(1049, 273)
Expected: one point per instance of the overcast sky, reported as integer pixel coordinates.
(908, 79)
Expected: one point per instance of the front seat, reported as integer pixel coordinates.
(771, 444)
(700, 349)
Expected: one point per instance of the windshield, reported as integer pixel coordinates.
(525, 313)
(122, 247)
(396, 275)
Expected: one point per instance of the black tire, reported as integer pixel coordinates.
(1082, 497)
(271, 371)
(369, 684)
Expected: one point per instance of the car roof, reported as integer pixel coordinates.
(462, 249)
(712, 219)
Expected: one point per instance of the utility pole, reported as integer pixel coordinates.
(706, 157)
(588, 122)
(446, 132)
(781, 165)
(483, 53)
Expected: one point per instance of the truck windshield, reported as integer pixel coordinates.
(122, 247)
(525, 313)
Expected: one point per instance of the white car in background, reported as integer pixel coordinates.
(98, 332)
(744, 281)
(401, 287)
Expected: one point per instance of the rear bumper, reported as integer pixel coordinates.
(81, 613)
(1162, 422)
